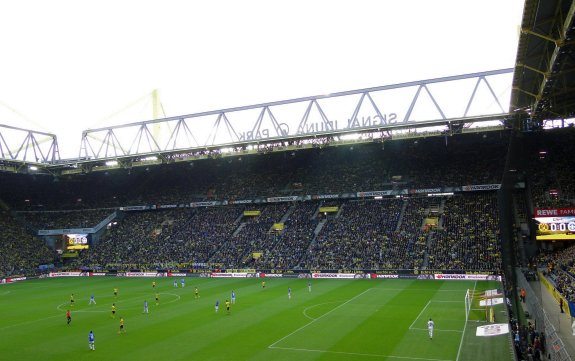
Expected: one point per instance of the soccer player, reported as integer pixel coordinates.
(72, 300)
(309, 286)
(197, 293)
(233, 297)
(157, 298)
(430, 326)
(115, 292)
(217, 305)
(113, 310)
(175, 283)
(228, 306)
(154, 285)
(145, 306)
(68, 317)
(91, 341)
(263, 284)
(183, 282)
(289, 293)
(121, 330)
(92, 299)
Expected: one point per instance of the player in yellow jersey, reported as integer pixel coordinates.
(154, 285)
(122, 329)
(197, 293)
(72, 300)
(115, 292)
(228, 307)
(113, 310)
(157, 299)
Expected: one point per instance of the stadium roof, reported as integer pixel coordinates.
(544, 78)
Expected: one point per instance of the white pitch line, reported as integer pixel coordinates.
(464, 328)
(360, 354)
(325, 314)
(417, 318)
(318, 304)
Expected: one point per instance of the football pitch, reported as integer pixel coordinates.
(336, 320)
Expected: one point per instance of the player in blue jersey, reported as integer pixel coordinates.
(289, 293)
(183, 282)
(145, 307)
(175, 283)
(92, 299)
(217, 305)
(233, 297)
(91, 340)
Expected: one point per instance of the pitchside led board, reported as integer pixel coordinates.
(555, 224)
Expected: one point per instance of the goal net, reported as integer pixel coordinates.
(479, 305)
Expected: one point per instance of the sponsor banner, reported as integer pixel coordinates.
(373, 275)
(493, 293)
(554, 212)
(177, 274)
(241, 201)
(282, 199)
(373, 194)
(482, 277)
(204, 204)
(12, 279)
(491, 302)
(424, 190)
(3, 281)
(64, 274)
(325, 196)
(480, 187)
(141, 274)
(135, 208)
(271, 275)
(165, 206)
(97, 274)
(56, 232)
(229, 274)
(492, 330)
(333, 275)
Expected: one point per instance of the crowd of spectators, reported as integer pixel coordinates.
(469, 236)
(559, 267)
(20, 252)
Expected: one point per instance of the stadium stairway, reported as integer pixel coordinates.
(561, 321)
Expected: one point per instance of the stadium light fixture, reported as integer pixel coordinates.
(112, 163)
(150, 158)
(33, 167)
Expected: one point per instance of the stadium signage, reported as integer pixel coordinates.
(203, 204)
(64, 274)
(373, 275)
(172, 274)
(333, 275)
(270, 275)
(97, 274)
(325, 196)
(481, 187)
(557, 212)
(282, 199)
(373, 194)
(425, 190)
(241, 201)
(446, 276)
(229, 275)
(142, 274)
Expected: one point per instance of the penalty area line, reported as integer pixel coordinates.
(358, 354)
(320, 317)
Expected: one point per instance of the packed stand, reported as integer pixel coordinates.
(64, 219)
(469, 236)
(20, 252)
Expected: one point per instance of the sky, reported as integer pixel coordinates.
(69, 65)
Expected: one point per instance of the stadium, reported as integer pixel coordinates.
(327, 227)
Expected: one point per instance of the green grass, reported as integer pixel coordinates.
(338, 320)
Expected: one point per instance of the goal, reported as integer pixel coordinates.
(479, 305)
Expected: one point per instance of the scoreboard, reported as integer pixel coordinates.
(75, 242)
(555, 224)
